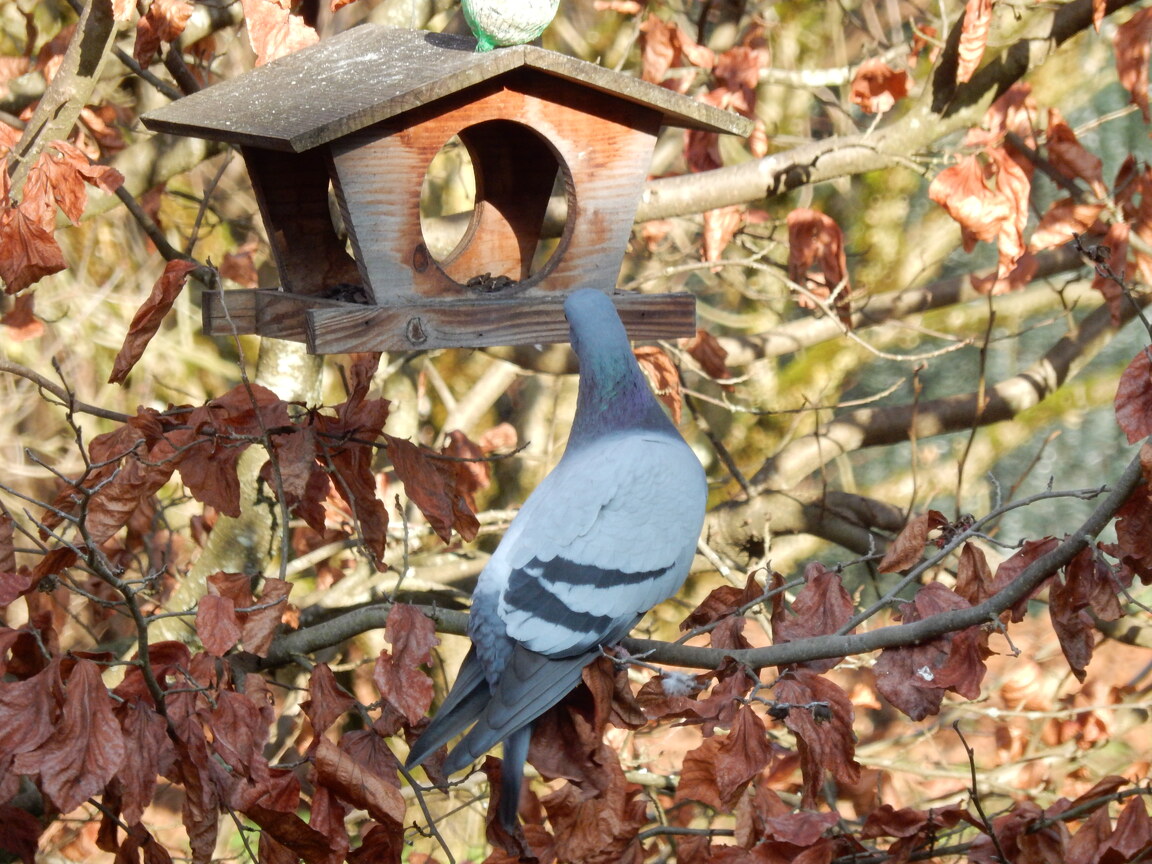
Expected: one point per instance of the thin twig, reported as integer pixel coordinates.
(988, 829)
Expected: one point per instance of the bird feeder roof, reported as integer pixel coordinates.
(371, 73)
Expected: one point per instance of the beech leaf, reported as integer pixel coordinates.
(292, 832)
(877, 87)
(274, 31)
(261, 623)
(1133, 46)
(207, 448)
(706, 350)
(908, 547)
(962, 189)
(973, 38)
(430, 484)
(720, 226)
(163, 22)
(817, 261)
(357, 784)
(718, 771)
(149, 316)
(661, 373)
(20, 321)
(1114, 248)
(86, 747)
(19, 833)
(822, 607)
(28, 250)
(1010, 569)
(27, 713)
(148, 752)
(405, 687)
(907, 676)
(1066, 153)
(411, 633)
(217, 624)
(827, 745)
(1133, 528)
(1133, 402)
(603, 827)
(1064, 218)
(327, 701)
(723, 601)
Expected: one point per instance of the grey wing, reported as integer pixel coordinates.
(609, 534)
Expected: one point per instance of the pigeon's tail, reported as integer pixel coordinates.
(512, 776)
(463, 705)
(530, 684)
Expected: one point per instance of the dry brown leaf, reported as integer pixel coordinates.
(973, 38)
(405, 687)
(273, 31)
(432, 485)
(28, 250)
(86, 747)
(720, 226)
(1066, 153)
(472, 472)
(876, 86)
(217, 624)
(662, 373)
(817, 262)
(20, 833)
(1133, 402)
(706, 350)
(1014, 184)
(908, 547)
(149, 752)
(821, 608)
(163, 22)
(907, 676)
(149, 316)
(826, 745)
(262, 622)
(962, 189)
(658, 49)
(1133, 46)
(20, 321)
(356, 783)
(973, 575)
(1064, 218)
(327, 701)
(1010, 569)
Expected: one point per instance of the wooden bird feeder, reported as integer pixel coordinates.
(361, 116)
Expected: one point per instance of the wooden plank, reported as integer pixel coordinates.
(267, 312)
(484, 322)
(369, 73)
(227, 313)
(292, 192)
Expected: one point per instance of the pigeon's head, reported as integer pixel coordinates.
(613, 394)
(595, 325)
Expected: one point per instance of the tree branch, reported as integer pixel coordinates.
(70, 90)
(914, 632)
(946, 107)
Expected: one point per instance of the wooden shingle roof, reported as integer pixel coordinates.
(371, 73)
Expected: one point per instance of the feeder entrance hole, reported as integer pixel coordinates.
(494, 206)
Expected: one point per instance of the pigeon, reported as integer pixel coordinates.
(607, 535)
(497, 23)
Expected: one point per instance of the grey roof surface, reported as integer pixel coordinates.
(371, 73)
